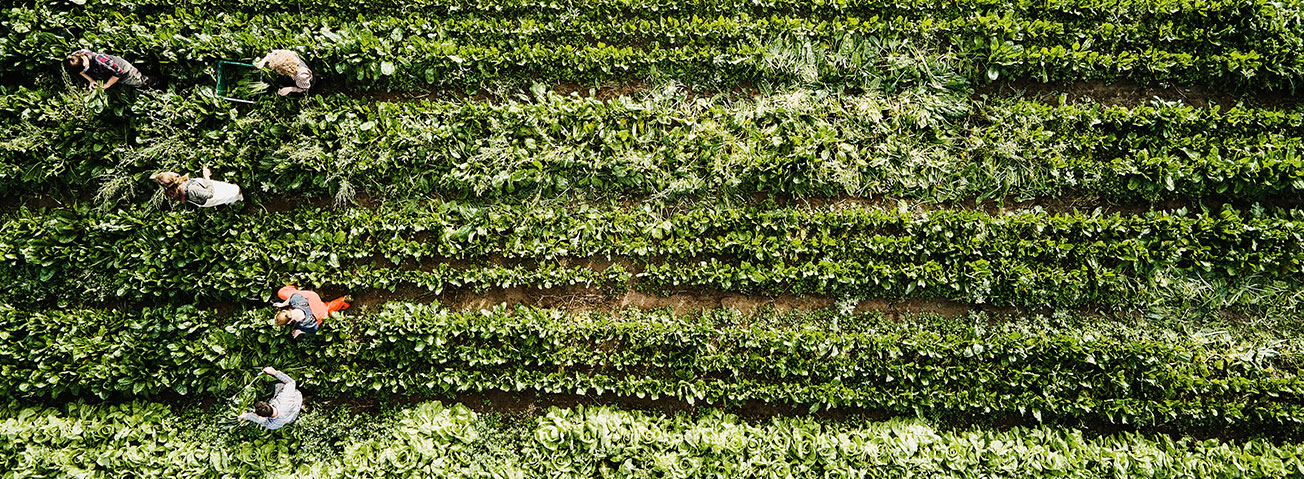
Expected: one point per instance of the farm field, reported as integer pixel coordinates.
(713, 238)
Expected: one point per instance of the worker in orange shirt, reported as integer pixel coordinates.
(305, 309)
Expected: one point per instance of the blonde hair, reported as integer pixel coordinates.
(175, 179)
(284, 62)
(283, 317)
(171, 183)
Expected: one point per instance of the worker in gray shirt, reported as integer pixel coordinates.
(282, 409)
(202, 192)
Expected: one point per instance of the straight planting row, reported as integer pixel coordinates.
(1202, 12)
(1027, 259)
(1035, 373)
(147, 440)
(1253, 46)
(801, 143)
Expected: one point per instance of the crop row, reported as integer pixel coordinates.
(144, 439)
(1255, 46)
(1200, 33)
(1055, 376)
(1035, 259)
(1202, 13)
(800, 143)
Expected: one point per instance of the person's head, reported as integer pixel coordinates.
(263, 409)
(283, 317)
(76, 59)
(168, 178)
(75, 62)
(303, 78)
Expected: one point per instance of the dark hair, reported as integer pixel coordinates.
(69, 67)
(263, 409)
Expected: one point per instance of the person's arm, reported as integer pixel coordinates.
(280, 376)
(107, 84)
(290, 89)
(89, 79)
(205, 169)
(256, 419)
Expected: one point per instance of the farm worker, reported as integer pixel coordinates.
(204, 193)
(98, 67)
(282, 409)
(305, 309)
(297, 78)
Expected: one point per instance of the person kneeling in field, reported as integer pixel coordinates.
(98, 67)
(305, 309)
(204, 193)
(297, 78)
(282, 409)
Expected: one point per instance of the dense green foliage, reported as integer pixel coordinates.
(803, 143)
(430, 439)
(828, 152)
(1040, 371)
(1027, 258)
(472, 45)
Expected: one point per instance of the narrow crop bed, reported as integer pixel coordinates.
(927, 145)
(1028, 259)
(142, 438)
(472, 45)
(1061, 371)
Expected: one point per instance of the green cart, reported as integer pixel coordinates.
(226, 73)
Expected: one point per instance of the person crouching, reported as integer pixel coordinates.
(305, 309)
(202, 192)
(295, 75)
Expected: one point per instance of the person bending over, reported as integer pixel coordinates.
(295, 75)
(202, 192)
(282, 409)
(305, 309)
(104, 71)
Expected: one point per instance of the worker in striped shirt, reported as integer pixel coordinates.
(282, 409)
(104, 71)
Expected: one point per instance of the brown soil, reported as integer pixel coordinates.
(281, 204)
(603, 93)
(689, 302)
(1003, 206)
(582, 299)
(33, 202)
(1126, 93)
(1120, 93)
(531, 403)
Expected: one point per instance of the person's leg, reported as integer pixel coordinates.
(286, 291)
(338, 304)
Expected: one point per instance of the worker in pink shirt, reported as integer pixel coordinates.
(305, 309)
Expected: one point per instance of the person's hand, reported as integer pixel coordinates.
(285, 90)
(244, 415)
(296, 333)
(104, 86)
(271, 371)
(281, 304)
